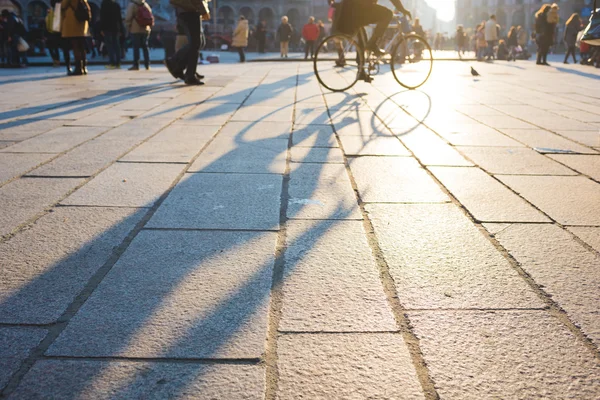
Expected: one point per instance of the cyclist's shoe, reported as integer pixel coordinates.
(340, 63)
(377, 52)
(363, 76)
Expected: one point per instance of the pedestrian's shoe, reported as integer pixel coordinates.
(199, 77)
(373, 48)
(147, 66)
(84, 67)
(118, 66)
(362, 76)
(194, 82)
(134, 68)
(78, 71)
(546, 64)
(171, 67)
(69, 70)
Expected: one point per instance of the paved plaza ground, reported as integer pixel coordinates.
(261, 238)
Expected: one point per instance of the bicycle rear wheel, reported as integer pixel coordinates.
(412, 61)
(338, 61)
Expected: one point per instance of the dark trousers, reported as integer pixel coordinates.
(261, 44)
(374, 14)
(113, 46)
(78, 46)
(571, 51)
(187, 57)
(241, 53)
(309, 45)
(140, 40)
(53, 42)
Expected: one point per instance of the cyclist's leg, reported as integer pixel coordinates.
(375, 14)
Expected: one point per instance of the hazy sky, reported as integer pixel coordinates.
(445, 8)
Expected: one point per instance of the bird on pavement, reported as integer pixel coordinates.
(474, 73)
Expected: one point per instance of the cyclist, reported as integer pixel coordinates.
(355, 14)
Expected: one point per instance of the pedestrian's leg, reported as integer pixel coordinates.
(574, 54)
(287, 48)
(78, 48)
(191, 23)
(144, 44)
(117, 44)
(136, 38)
(306, 49)
(281, 48)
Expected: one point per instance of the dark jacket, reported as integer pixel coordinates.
(111, 20)
(512, 39)
(544, 31)
(285, 32)
(570, 36)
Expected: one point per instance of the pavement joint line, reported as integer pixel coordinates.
(38, 352)
(324, 219)
(233, 173)
(151, 162)
(478, 309)
(99, 206)
(554, 308)
(390, 290)
(55, 176)
(276, 302)
(316, 333)
(209, 361)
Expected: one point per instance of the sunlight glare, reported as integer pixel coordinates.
(446, 9)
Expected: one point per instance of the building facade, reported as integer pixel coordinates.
(514, 12)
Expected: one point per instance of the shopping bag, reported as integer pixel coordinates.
(22, 45)
(57, 18)
(591, 34)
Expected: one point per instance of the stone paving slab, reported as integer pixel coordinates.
(485, 198)
(4, 144)
(13, 165)
(586, 164)
(547, 142)
(589, 234)
(57, 140)
(233, 154)
(337, 293)
(394, 180)
(570, 200)
(175, 144)
(179, 294)
(48, 264)
(505, 354)
(378, 146)
(321, 191)
(281, 113)
(317, 155)
(311, 115)
(473, 135)
(126, 185)
(358, 123)
(424, 247)
(314, 136)
(430, 149)
(334, 367)
(114, 379)
(257, 130)
(513, 161)
(15, 346)
(222, 201)
(564, 268)
(504, 121)
(587, 138)
(24, 129)
(209, 114)
(23, 199)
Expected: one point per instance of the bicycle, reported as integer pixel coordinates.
(410, 58)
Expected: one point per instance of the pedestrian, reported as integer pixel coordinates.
(310, 33)
(461, 40)
(572, 28)
(139, 21)
(543, 34)
(184, 63)
(3, 42)
(512, 42)
(503, 53)
(285, 32)
(76, 15)
(14, 31)
(53, 39)
(112, 29)
(491, 36)
(322, 32)
(482, 45)
(418, 28)
(261, 36)
(240, 37)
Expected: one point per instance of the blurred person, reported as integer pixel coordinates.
(461, 40)
(491, 36)
(240, 37)
(112, 29)
(75, 31)
(544, 33)
(139, 21)
(418, 28)
(572, 28)
(285, 32)
(310, 33)
(261, 36)
(322, 32)
(512, 43)
(502, 53)
(53, 38)
(482, 45)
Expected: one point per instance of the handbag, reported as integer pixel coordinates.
(56, 17)
(591, 34)
(22, 45)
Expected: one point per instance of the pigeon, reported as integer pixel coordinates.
(474, 73)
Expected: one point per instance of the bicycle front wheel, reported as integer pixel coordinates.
(412, 61)
(338, 61)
